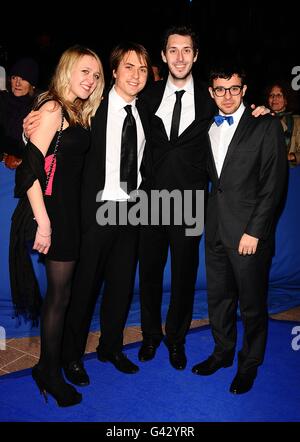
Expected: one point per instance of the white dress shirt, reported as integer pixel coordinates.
(221, 136)
(115, 119)
(165, 110)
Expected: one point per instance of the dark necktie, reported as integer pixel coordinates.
(176, 116)
(219, 119)
(128, 162)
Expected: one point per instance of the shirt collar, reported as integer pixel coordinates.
(171, 88)
(118, 102)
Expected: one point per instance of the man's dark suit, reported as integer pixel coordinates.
(180, 165)
(108, 253)
(244, 199)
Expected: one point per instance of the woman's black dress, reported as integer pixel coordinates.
(63, 206)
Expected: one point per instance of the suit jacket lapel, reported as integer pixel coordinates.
(211, 162)
(155, 103)
(146, 127)
(204, 106)
(154, 95)
(242, 126)
(143, 116)
(99, 124)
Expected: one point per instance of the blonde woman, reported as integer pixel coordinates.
(71, 101)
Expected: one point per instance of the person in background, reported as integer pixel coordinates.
(157, 68)
(279, 99)
(247, 166)
(156, 72)
(15, 104)
(66, 110)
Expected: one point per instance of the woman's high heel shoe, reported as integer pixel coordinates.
(64, 394)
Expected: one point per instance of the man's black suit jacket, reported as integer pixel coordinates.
(93, 179)
(180, 165)
(246, 196)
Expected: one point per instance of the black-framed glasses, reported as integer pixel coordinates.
(220, 91)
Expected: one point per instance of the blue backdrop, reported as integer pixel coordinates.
(284, 288)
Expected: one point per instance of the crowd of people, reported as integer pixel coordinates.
(105, 145)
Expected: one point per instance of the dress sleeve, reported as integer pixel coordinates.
(31, 169)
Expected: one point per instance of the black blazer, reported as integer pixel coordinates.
(180, 165)
(246, 196)
(94, 170)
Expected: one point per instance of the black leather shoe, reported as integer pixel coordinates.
(241, 383)
(147, 350)
(120, 361)
(210, 366)
(76, 374)
(177, 356)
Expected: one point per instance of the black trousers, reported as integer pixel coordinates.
(108, 255)
(233, 280)
(155, 242)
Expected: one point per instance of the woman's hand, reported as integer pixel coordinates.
(42, 240)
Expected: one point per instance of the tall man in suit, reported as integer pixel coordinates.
(247, 167)
(178, 163)
(108, 252)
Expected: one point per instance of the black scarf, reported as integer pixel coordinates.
(25, 290)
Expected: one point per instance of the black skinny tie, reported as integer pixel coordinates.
(128, 163)
(176, 116)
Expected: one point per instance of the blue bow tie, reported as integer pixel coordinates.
(220, 118)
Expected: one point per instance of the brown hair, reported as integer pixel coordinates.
(124, 48)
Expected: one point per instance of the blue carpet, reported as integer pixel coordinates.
(158, 393)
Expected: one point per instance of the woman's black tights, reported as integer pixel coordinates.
(59, 279)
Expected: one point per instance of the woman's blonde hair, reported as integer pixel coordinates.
(80, 111)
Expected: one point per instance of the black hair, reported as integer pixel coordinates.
(227, 72)
(180, 30)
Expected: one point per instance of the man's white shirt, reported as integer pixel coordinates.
(115, 119)
(165, 110)
(221, 136)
